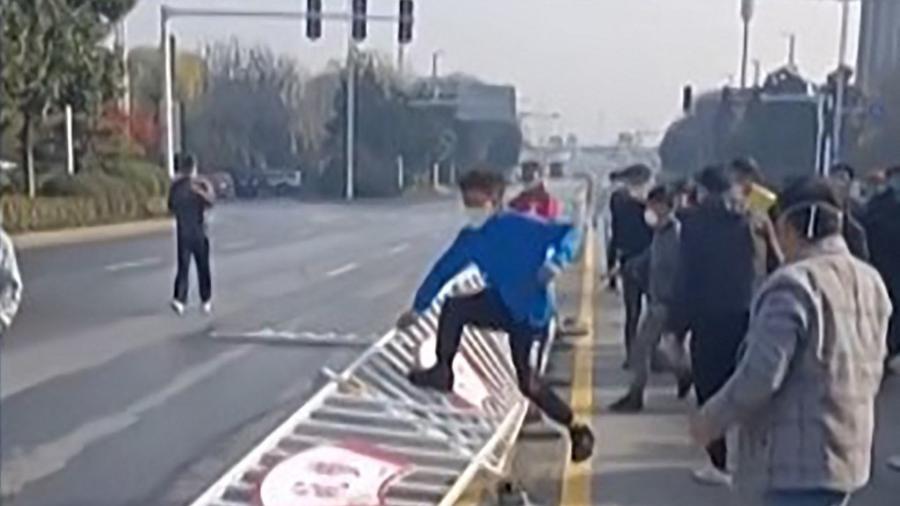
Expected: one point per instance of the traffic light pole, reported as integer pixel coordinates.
(168, 13)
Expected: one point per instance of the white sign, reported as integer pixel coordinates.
(344, 475)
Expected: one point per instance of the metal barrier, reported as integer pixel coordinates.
(369, 437)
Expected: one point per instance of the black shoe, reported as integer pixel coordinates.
(582, 442)
(436, 378)
(684, 387)
(631, 403)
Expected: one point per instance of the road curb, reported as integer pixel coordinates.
(36, 240)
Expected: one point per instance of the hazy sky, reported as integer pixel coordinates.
(605, 65)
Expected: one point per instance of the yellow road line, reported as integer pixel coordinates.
(576, 485)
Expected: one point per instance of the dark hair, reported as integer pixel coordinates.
(812, 199)
(844, 168)
(746, 168)
(185, 162)
(662, 195)
(715, 179)
(481, 179)
(637, 173)
(892, 171)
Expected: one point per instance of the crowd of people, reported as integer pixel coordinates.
(785, 303)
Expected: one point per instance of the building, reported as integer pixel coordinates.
(879, 44)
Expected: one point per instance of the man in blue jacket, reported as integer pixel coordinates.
(518, 256)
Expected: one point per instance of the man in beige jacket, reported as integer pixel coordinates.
(803, 394)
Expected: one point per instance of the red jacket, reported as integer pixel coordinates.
(537, 201)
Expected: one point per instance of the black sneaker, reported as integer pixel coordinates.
(582, 442)
(436, 378)
(684, 387)
(631, 403)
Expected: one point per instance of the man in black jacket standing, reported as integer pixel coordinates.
(882, 224)
(631, 236)
(717, 278)
(189, 198)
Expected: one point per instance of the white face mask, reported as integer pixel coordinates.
(651, 218)
(476, 217)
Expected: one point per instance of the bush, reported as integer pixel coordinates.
(124, 191)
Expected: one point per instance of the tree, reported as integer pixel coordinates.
(52, 56)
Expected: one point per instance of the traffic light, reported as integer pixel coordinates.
(405, 30)
(359, 20)
(314, 19)
(687, 99)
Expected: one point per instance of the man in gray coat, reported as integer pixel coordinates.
(658, 268)
(803, 394)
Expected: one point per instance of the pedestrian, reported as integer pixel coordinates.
(803, 395)
(757, 201)
(190, 198)
(511, 250)
(631, 236)
(534, 198)
(882, 227)
(718, 276)
(661, 261)
(10, 281)
(843, 178)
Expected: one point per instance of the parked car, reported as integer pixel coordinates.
(223, 184)
(265, 183)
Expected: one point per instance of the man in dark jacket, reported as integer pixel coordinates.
(882, 224)
(717, 280)
(631, 236)
(843, 178)
(189, 198)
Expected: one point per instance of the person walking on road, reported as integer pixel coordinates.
(882, 223)
(803, 395)
(510, 249)
(717, 280)
(10, 281)
(631, 237)
(661, 262)
(190, 197)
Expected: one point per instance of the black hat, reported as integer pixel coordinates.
(714, 180)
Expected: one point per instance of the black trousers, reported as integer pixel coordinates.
(485, 310)
(196, 248)
(633, 296)
(893, 336)
(715, 342)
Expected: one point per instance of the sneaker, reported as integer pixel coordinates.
(178, 307)
(436, 378)
(684, 387)
(630, 403)
(207, 308)
(894, 462)
(712, 476)
(582, 442)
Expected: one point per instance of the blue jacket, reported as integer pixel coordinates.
(509, 250)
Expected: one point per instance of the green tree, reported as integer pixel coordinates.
(53, 55)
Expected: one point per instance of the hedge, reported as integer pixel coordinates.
(127, 191)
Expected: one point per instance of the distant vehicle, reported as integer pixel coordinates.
(557, 170)
(267, 183)
(223, 184)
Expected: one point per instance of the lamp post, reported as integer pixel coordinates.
(747, 9)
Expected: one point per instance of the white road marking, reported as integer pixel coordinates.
(133, 264)
(400, 248)
(342, 270)
(48, 458)
(236, 245)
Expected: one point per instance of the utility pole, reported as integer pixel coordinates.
(747, 8)
(435, 58)
(840, 95)
(351, 117)
(167, 42)
(70, 142)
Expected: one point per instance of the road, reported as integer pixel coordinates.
(108, 398)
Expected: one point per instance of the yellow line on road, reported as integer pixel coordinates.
(576, 485)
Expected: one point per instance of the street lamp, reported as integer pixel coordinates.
(435, 58)
(841, 81)
(747, 9)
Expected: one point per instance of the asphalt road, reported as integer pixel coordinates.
(108, 398)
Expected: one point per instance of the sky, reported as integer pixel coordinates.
(605, 66)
